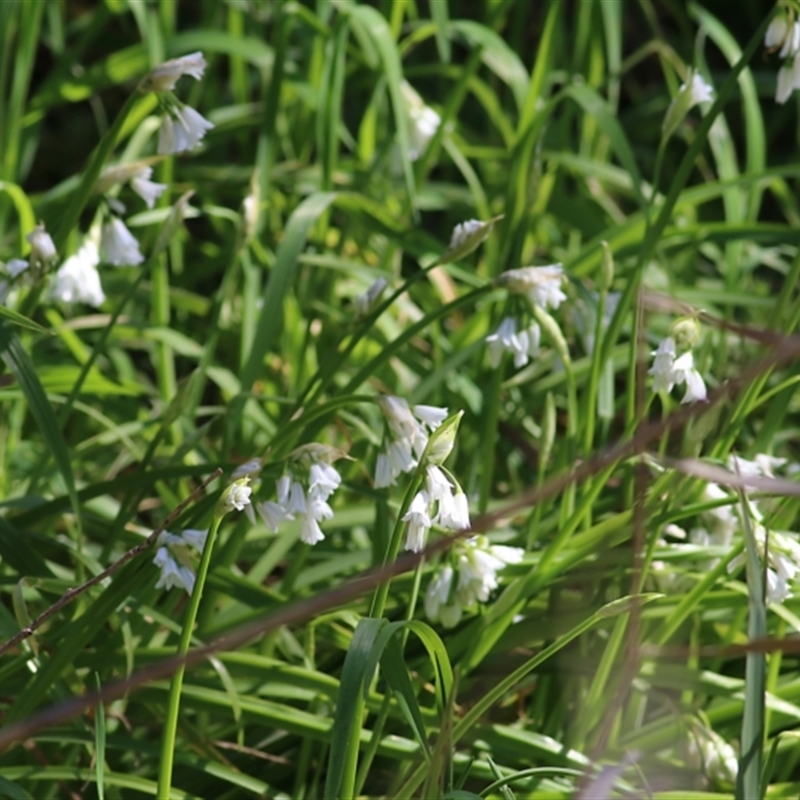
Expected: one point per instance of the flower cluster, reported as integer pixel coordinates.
(435, 504)
(182, 127)
(475, 563)
(708, 751)
(409, 429)
(303, 492)
(523, 344)
(175, 560)
(520, 336)
(721, 527)
(670, 370)
(783, 34)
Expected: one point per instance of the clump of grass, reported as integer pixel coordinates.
(418, 401)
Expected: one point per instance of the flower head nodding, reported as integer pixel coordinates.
(542, 285)
(77, 279)
(173, 557)
(119, 245)
(164, 77)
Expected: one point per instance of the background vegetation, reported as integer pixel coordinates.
(605, 664)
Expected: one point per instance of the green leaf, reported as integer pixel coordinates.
(280, 281)
(20, 364)
(346, 730)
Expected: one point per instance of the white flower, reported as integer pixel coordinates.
(453, 512)
(541, 284)
(684, 372)
(148, 190)
(423, 121)
(237, 495)
(43, 251)
(437, 484)
(785, 84)
(119, 244)
(419, 521)
(432, 416)
(478, 565)
(717, 757)
(16, 267)
(781, 34)
(437, 607)
(77, 280)
(283, 486)
(698, 90)
(398, 415)
(366, 301)
(323, 481)
(174, 560)
(297, 499)
(463, 231)
(182, 128)
(523, 344)
(247, 470)
(172, 573)
(164, 77)
(663, 366)
(310, 532)
(272, 514)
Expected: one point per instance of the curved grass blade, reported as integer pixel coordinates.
(21, 365)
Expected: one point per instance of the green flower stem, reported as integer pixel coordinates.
(171, 722)
(378, 604)
(73, 209)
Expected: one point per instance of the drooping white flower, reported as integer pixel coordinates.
(164, 77)
(43, 251)
(478, 565)
(182, 128)
(423, 121)
(148, 190)
(16, 267)
(542, 285)
(77, 279)
(398, 415)
(781, 34)
(323, 480)
(522, 345)
(693, 91)
(463, 231)
(663, 366)
(785, 84)
(174, 559)
(119, 245)
(272, 513)
(717, 758)
(419, 522)
(249, 469)
(697, 89)
(310, 532)
(364, 303)
(409, 436)
(172, 573)
(453, 512)
(684, 372)
(439, 606)
(432, 416)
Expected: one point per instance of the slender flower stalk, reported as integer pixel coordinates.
(236, 496)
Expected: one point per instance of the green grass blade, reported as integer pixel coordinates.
(24, 370)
